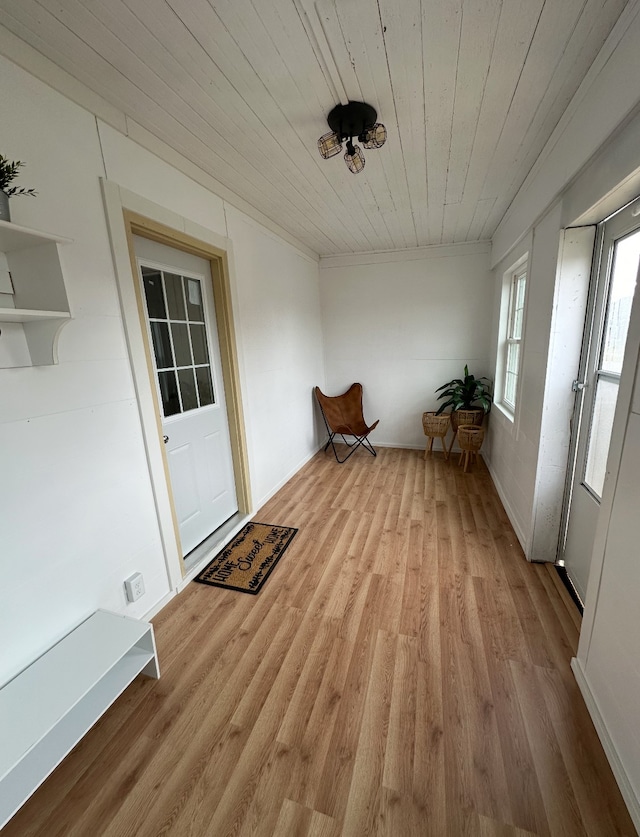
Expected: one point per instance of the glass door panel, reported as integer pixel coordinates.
(179, 339)
(611, 354)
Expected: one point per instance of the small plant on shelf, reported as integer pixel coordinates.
(9, 170)
(466, 393)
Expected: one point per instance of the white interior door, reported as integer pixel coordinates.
(597, 388)
(180, 319)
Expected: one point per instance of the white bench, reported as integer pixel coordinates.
(48, 707)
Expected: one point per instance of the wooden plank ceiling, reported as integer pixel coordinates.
(469, 90)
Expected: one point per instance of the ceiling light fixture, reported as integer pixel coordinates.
(357, 119)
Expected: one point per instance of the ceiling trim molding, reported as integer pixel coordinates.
(436, 251)
(31, 61)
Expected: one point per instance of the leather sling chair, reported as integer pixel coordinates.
(342, 415)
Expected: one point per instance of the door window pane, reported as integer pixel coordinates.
(194, 300)
(187, 389)
(199, 342)
(600, 435)
(205, 389)
(153, 293)
(175, 310)
(175, 299)
(161, 345)
(623, 283)
(169, 393)
(181, 344)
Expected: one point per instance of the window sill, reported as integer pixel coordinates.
(505, 411)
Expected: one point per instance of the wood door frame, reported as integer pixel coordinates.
(128, 215)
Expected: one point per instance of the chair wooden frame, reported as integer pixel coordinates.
(343, 416)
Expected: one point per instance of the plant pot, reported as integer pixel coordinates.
(474, 416)
(434, 425)
(5, 214)
(470, 439)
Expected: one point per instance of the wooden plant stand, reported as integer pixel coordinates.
(459, 418)
(436, 427)
(470, 439)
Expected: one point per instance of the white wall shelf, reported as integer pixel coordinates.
(52, 704)
(28, 315)
(15, 237)
(32, 295)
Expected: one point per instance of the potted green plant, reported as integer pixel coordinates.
(9, 170)
(469, 398)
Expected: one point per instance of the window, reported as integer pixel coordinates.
(513, 339)
(179, 339)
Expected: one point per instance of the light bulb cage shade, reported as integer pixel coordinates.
(354, 158)
(329, 145)
(355, 119)
(375, 136)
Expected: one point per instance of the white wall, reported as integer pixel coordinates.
(611, 666)
(513, 453)
(512, 464)
(569, 184)
(402, 324)
(568, 312)
(527, 454)
(589, 168)
(277, 305)
(281, 337)
(78, 514)
(607, 664)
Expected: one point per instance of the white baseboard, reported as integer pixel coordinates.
(155, 610)
(394, 445)
(260, 503)
(507, 507)
(622, 778)
(438, 449)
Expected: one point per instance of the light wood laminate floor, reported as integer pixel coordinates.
(403, 672)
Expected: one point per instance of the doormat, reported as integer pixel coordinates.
(246, 562)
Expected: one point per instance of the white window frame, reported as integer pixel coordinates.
(511, 280)
(519, 276)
